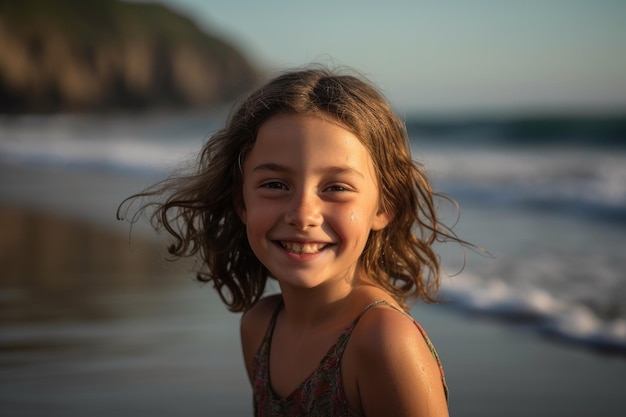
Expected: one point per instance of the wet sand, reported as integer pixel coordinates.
(96, 325)
(47, 249)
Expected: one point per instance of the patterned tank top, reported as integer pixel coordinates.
(322, 393)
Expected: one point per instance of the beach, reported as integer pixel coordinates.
(93, 326)
(95, 321)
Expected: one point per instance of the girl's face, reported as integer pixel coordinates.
(310, 200)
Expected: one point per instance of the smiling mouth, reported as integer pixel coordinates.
(302, 248)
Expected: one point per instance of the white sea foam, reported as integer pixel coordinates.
(90, 142)
(538, 308)
(131, 154)
(591, 178)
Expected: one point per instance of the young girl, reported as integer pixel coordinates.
(311, 183)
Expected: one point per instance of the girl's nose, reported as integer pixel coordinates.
(304, 211)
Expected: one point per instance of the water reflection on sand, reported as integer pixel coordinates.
(90, 327)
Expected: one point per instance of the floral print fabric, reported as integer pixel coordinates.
(322, 393)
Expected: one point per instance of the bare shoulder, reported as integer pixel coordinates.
(253, 326)
(260, 313)
(402, 378)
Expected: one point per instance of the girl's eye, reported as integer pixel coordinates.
(274, 185)
(337, 188)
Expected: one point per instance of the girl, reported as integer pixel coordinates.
(311, 183)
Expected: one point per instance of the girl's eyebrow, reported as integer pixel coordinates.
(332, 170)
(270, 166)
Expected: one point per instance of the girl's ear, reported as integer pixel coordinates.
(242, 215)
(381, 220)
(240, 209)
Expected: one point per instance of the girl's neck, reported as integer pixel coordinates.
(318, 307)
(314, 307)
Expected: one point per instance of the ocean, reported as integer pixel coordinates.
(545, 198)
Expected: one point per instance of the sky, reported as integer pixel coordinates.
(443, 57)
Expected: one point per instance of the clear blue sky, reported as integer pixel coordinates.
(455, 56)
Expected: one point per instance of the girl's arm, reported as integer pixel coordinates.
(396, 372)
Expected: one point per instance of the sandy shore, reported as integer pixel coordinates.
(94, 327)
(63, 264)
(35, 245)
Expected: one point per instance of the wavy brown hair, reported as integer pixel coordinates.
(199, 209)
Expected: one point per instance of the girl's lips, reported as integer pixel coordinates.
(301, 248)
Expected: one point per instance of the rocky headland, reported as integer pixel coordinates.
(99, 55)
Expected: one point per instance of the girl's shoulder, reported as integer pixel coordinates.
(254, 324)
(262, 309)
(401, 366)
(385, 327)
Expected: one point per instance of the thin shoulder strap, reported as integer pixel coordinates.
(369, 307)
(348, 330)
(272, 323)
(265, 342)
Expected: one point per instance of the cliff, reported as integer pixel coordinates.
(93, 55)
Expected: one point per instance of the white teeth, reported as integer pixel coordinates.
(302, 248)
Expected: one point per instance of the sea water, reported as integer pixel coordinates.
(547, 204)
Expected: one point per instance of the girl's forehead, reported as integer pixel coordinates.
(319, 116)
(293, 127)
(299, 139)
